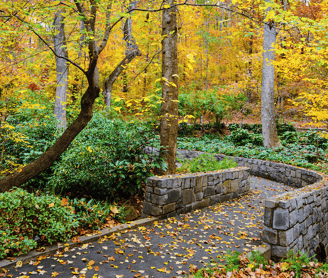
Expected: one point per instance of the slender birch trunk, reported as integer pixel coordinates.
(60, 48)
(269, 129)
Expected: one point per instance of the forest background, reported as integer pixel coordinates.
(228, 54)
(84, 85)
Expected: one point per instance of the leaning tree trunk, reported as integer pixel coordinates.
(60, 48)
(269, 129)
(169, 109)
(52, 154)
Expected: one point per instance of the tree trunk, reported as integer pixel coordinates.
(131, 51)
(269, 130)
(169, 109)
(60, 48)
(207, 26)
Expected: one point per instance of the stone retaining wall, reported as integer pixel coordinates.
(169, 196)
(296, 220)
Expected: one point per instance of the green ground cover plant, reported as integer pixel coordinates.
(255, 265)
(205, 163)
(292, 154)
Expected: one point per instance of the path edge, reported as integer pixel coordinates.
(50, 250)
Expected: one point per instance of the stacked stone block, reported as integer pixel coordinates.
(169, 196)
(297, 221)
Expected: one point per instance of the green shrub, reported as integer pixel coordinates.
(206, 163)
(35, 137)
(282, 128)
(313, 137)
(91, 214)
(23, 216)
(242, 137)
(289, 137)
(186, 129)
(106, 159)
(257, 128)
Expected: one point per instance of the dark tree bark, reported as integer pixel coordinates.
(169, 109)
(269, 129)
(60, 48)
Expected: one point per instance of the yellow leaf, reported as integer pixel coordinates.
(92, 262)
(163, 269)
(19, 264)
(51, 205)
(114, 210)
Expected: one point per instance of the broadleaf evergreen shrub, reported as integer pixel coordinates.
(242, 137)
(35, 137)
(106, 159)
(23, 216)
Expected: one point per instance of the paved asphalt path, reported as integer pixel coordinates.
(167, 248)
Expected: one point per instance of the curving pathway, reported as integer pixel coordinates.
(168, 247)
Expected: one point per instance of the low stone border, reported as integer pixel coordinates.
(295, 220)
(6, 264)
(298, 221)
(171, 195)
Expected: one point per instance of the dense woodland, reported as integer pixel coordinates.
(86, 85)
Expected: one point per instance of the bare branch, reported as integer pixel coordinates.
(46, 44)
(107, 29)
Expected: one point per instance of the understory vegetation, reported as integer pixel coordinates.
(29, 220)
(78, 193)
(239, 265)
(106, 162)
(304, 149)
(205, 163)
